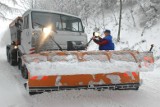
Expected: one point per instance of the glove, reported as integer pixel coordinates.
(93, 37)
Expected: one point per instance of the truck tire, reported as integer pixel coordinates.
(8, 57)
(7, 52)
(24, 72)
(12, 57)
(19, 64)
(11, 60)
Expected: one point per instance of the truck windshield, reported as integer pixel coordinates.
(58, 21)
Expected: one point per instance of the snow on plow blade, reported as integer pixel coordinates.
(56, 70)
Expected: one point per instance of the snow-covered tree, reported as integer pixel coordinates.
(7, 7)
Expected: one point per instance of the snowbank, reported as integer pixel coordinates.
(5, 39)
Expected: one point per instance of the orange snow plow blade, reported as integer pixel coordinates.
(56, 70)
(85, 81)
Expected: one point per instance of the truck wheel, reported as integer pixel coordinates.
(19, 64)
(8, 57)
(24, 72)
(7, 54)
(11, 60)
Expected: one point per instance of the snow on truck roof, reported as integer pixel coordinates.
(50, 11)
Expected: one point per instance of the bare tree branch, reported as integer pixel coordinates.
(5, 8)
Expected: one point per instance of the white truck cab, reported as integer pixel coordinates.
(41, 29)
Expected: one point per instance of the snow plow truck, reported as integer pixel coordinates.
(50, 51)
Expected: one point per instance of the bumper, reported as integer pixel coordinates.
(113, 81)
(129, 86)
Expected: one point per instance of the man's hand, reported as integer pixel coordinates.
(94, 37)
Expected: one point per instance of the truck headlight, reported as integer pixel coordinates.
(15, 47)
(47, 30)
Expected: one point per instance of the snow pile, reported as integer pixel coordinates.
(88, 67)
(71, 64)
(5, 39)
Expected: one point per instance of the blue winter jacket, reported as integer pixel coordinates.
(109, 45)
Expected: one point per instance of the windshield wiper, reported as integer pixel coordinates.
(60, 48)
(39, 24)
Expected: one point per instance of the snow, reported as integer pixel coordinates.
(88, 67)
(53, 64)
(130, 35)
(115, 79)
(13, 94)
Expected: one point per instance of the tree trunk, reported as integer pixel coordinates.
(120, 18)
(102, 8)
(134, 23)
(113, 12)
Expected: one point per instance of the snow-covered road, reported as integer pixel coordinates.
(13, 94)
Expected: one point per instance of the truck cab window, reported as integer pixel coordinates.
(42, 19)
(71, 23)
(58, 21)
(26, 22)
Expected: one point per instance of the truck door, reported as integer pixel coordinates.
(26, 35)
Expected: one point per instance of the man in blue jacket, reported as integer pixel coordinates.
(105, 43)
